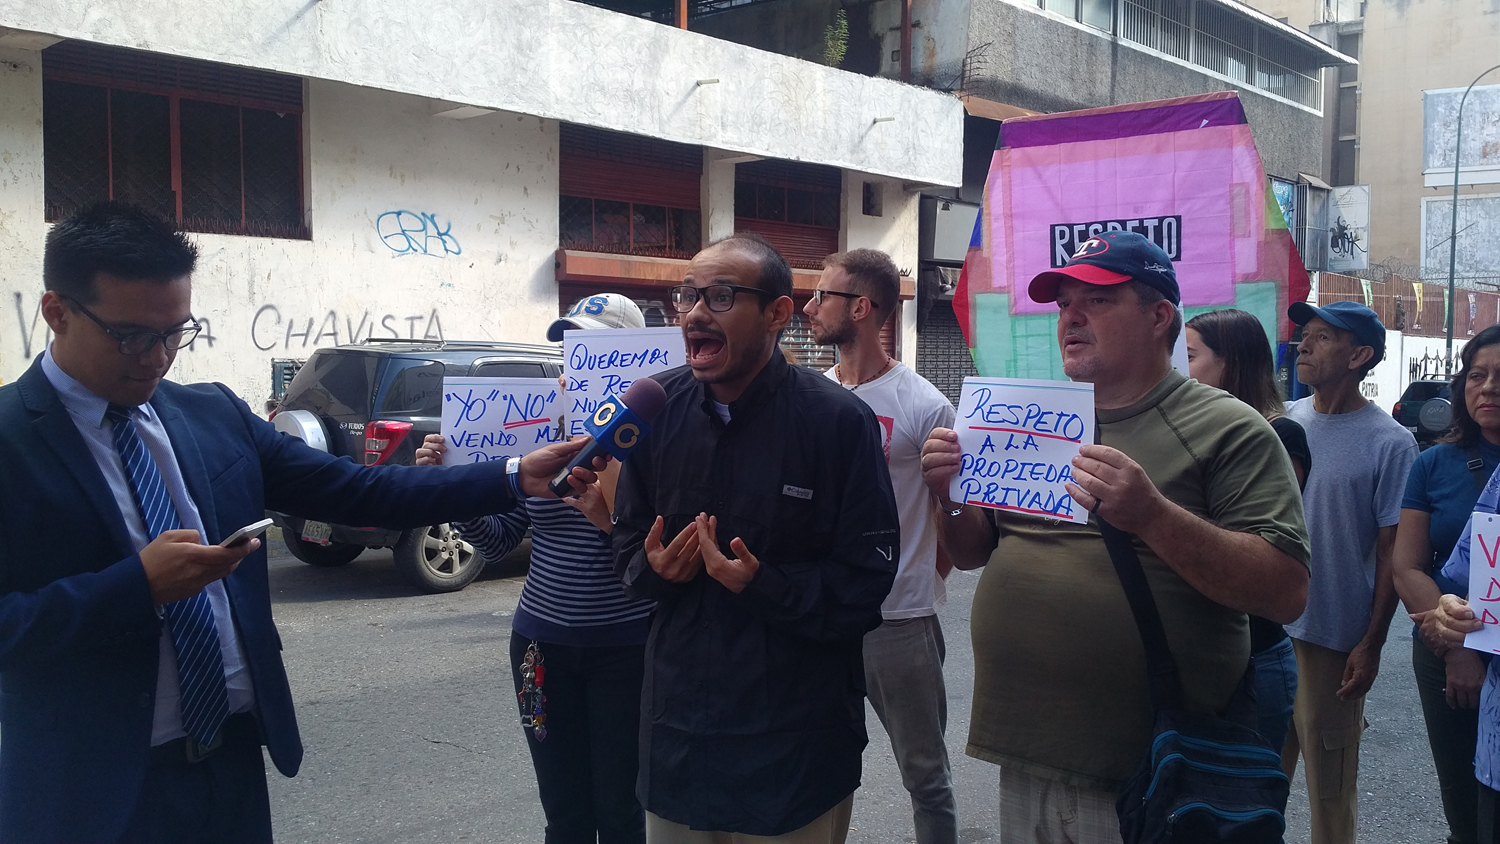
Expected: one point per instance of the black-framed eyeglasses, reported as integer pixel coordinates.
(820, 294)
(720, 297)
(141, 342)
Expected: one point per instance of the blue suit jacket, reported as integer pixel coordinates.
(78, 628)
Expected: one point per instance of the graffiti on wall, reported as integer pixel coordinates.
(417, 233)
(35, 335)
(271, 329)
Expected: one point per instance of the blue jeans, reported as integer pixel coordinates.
(1275, 689)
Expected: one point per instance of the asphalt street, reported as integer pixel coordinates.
(410, 726)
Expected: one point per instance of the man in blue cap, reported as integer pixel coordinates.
(1061, 700)
(1353, 501)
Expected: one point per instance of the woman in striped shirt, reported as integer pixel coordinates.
(589, 639)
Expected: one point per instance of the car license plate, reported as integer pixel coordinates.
(319, 532)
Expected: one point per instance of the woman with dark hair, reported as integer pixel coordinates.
(1229, 349)
(1441, 492)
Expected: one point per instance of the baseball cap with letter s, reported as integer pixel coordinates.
(601, 310)
(1112, 257)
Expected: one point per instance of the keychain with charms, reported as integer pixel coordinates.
(533, 700)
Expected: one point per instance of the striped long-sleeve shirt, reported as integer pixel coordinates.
(572, 596)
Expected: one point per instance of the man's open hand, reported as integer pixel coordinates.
(1107, 482)
(735, 573)
(178, 567)
(679, 561)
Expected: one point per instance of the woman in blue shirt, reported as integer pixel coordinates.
(1441, 492)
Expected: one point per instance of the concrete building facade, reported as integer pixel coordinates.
(426, 158)
(1374, 131)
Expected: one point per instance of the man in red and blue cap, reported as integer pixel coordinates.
(1061, 701)
(1353, 503)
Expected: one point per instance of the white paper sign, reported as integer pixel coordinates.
(1018, 438)
(1484, 582)
(494, 418)
(600, 363)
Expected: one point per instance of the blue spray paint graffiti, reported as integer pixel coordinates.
(413, 233)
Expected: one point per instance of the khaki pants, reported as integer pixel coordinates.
(1034, 810)
(830, 828)
(1325, 731)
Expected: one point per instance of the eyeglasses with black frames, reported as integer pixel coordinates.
(820, 294)
(141, 342)
(720, 297)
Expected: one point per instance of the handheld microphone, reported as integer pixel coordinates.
(617, 426)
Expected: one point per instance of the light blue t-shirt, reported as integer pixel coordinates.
(1487, 751)
(1360, 461)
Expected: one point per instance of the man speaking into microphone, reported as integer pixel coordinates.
(759, 515)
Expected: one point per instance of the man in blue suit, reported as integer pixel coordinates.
(140, 669)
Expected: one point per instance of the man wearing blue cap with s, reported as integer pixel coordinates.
(1061, 700)
(1353, 501)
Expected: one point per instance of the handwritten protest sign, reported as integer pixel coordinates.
(494, 418)
(603, 362)
(1484, 582)
(1018, 437)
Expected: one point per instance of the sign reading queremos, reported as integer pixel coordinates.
(1165, 232)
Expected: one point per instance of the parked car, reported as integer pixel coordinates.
(373, 403)
(1426, 409)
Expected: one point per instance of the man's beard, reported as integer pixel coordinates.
(841, 335)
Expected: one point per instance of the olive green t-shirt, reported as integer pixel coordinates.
(1059, 670)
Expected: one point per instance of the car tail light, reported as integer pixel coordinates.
(381, 439)
(1396, 411)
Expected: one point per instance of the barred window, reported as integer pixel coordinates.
(213, 148)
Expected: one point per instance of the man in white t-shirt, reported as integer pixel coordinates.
(857, 294)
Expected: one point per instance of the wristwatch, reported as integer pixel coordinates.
(513, 477)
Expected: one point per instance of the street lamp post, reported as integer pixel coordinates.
(1453, 228)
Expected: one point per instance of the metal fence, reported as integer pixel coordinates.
(1215, 38)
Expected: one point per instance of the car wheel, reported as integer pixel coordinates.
(322, 556)
(435, 559)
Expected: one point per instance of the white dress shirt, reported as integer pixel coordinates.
(88, 411)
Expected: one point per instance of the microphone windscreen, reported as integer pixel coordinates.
(645, 398)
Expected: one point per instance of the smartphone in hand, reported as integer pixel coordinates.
(246, 533)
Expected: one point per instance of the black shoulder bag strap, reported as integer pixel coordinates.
(1476, 468)
(1161, 668)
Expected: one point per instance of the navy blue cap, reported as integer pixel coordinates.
(1112, 257)
(1352, 317)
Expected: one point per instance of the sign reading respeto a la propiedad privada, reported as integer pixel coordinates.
(494, 418)
(1484, 582)
(603, 363)
(1019, 438)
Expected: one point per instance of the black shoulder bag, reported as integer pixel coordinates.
(1205, 779)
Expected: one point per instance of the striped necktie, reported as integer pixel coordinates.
(200, 665)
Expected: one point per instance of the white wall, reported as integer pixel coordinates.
(549, 58)
(893, 232)
(1388, 380)
(482, 269)
(21, 226)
